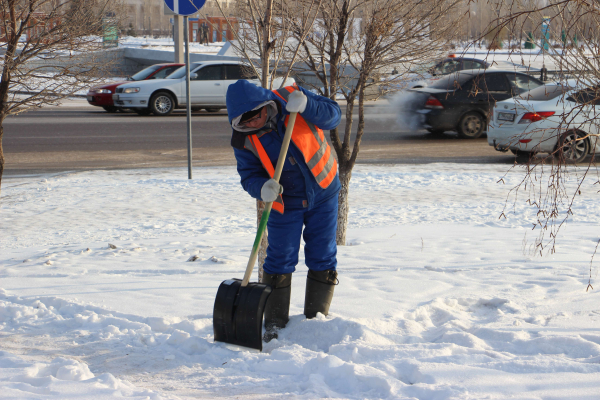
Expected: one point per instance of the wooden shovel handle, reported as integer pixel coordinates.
(265, 215)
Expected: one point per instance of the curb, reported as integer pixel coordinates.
(83, 96)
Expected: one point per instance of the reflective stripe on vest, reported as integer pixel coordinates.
(256, 147)
(310, 140)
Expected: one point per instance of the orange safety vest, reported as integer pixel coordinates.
(309, 139)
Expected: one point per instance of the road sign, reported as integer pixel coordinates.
(185, 7)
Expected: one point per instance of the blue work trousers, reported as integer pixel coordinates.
(285, 230)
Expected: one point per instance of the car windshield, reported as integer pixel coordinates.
(143, 74)
(545, 92)
(426, 68)
(451, 82)
(447, 67)
(180, 72)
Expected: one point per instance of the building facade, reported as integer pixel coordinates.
(147, 17)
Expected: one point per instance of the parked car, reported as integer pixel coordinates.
(547, 119)
(462, 100)
(101, 96)
(209, 81)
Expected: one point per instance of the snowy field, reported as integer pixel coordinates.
(163, 43)
(438, 297)
(167, 44)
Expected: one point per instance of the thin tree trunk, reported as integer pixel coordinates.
(260, 206)
(343, 206)
(11, 41)
(266, 44)
(345, 173)
(346, 167)
(1, 156)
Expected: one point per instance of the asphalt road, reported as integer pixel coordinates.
(77, 136)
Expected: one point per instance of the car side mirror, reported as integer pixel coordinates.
(193, 76)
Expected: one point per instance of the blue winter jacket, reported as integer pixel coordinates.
(300, 189)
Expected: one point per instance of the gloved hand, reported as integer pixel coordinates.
(296, 102)
(270, 190)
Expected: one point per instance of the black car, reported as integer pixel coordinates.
(462, 101)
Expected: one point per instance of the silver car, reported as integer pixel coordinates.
(548, 119)
(209, 81)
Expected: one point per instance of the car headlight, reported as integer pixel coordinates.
(131, 90)
(102, 91)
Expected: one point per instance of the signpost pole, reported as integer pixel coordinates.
(186, 8)
(187, 93)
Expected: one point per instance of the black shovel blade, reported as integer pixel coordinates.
(238, 313)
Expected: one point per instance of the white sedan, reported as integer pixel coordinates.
(548, 119)
(209, 81)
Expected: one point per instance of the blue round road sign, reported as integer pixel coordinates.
(185, 7)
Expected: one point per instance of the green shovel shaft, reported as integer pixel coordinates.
(262, 225)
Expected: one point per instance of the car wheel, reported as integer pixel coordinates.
(162, 104)
(436, 132)
(471, 125)
(573, 147)
(110, 109)
(213, 109)
(142, 111)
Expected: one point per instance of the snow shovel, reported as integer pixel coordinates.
(239, 306)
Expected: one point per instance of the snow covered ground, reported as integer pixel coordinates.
(163, 43)
(438, 297)
(167, 44)
(532, 60)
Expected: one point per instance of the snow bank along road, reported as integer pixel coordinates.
(78, 136)
(438, 297)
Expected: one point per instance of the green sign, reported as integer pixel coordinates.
(110, 33)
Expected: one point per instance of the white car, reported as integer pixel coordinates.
(209, 81)
(548, 119)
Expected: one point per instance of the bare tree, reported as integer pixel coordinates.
(552, 181)
(263, 32)
(354, 47)
(50, 51)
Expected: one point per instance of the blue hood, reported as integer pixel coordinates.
(244, 96)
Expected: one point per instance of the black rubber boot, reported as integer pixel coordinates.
(277, 309)
(319, 292)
